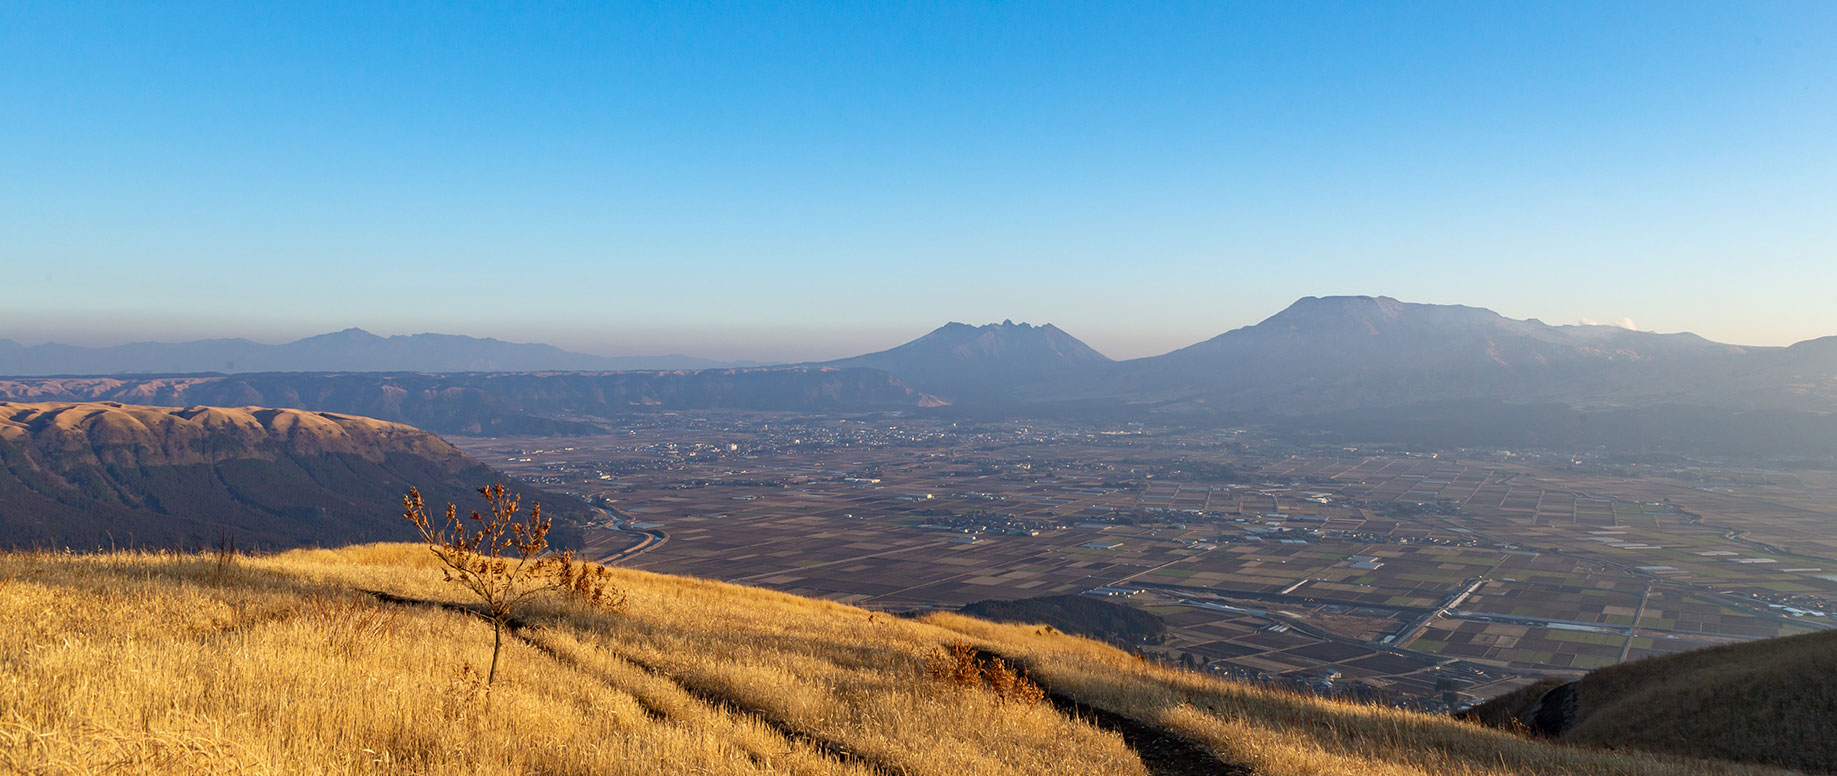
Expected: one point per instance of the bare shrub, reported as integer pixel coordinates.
(1009, 684)
(961, 665)
(956, 664)
(503, 559)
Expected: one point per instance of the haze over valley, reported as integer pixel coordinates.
(1365, 369)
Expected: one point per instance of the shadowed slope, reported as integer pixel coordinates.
(1769, 701)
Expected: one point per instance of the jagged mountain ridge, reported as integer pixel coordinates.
(959, 360)
(351, 350)
(88, 474)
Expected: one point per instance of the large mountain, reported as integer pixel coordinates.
(92, 474)
(496, 403)
(1374, 369)
(1336, 353)
(961, 361)
(351, 350)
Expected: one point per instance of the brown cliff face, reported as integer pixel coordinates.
(89, 474)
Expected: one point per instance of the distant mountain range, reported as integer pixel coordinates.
(1375, 369)
(1332, 354)
(1355, 367)
(90, 474)
(351, 350)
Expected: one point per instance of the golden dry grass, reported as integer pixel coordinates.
(142, 663)
(1762, 701)
(1280, 733)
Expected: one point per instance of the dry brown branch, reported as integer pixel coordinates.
(223, 557)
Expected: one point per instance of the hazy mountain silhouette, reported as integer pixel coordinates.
(351, 350)
(1321, 356)
(959, 361)
(1332, 353)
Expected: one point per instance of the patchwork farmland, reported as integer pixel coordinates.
(1410, 576)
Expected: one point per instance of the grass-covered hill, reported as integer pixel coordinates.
(1771, 701)
(294, 664)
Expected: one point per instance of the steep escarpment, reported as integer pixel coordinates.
(495, 403)
(433, 402)
(91, 474)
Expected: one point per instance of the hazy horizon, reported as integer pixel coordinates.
(809, 344)
(785, 183)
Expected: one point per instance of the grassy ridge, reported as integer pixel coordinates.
(1769, 701)
(148, 663)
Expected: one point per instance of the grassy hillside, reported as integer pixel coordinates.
(1764, 701)
(150, 663)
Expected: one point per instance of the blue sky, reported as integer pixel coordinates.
(809, 180)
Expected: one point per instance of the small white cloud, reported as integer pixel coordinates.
(1622, 323)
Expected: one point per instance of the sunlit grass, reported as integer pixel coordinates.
(147, 663)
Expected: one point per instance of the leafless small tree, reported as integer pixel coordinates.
(503, 560)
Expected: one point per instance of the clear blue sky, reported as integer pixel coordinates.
(791, 181)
